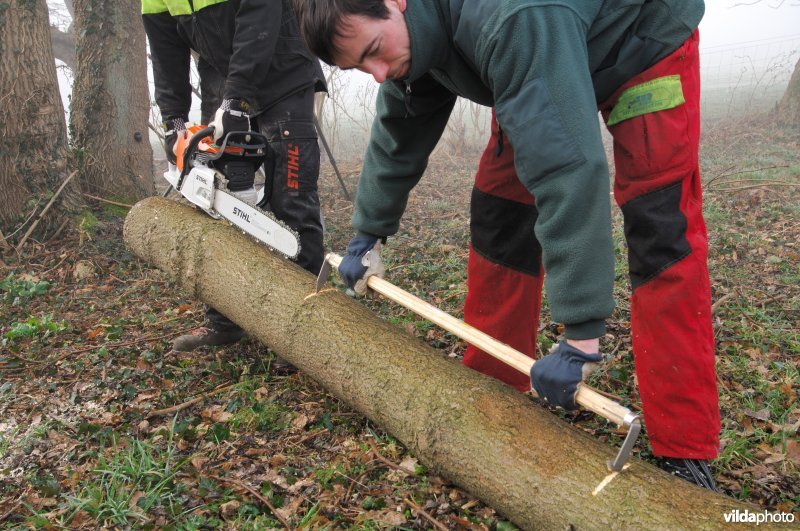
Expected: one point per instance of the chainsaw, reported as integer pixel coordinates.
(219, 179)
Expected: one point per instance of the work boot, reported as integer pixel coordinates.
(695, 471)
(206, 337)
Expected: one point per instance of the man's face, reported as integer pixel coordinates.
(378, 47)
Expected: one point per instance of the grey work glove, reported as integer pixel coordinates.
(231, 116)
(555, 377)
(363, 259)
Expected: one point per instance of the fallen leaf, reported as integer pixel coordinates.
(761, 414)
(108, 419)
(277, 460)
(183, 308)
(793, 451)
(273, 477)
(300, 485)
(290, 509)
(387, 517)
(216, 413)
(300, 421)
(147, 396)
(774, 458)
(229, 509)
(36, 501)
(135, 498)
(94, 333)
(253, 452)
(143, 365)
(409, 464)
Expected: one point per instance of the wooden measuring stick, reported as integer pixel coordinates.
(586, 396)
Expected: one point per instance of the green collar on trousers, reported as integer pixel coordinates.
(176, 7)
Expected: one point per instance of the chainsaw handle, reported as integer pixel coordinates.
(191, 147)
(585, 396)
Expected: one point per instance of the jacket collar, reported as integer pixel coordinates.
(430, 37)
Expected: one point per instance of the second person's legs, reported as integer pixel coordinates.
(292, 172)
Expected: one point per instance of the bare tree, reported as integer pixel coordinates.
(33, 134)
(110, 100)
(789, 107)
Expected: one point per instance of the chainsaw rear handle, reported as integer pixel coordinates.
(191, 147)
(250, 143)
(585, 396)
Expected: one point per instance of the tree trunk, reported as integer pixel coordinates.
(480, 434)
(111, 101)
(789, 107)
(33, 132)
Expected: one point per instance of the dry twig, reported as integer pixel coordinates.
(252, 491)
(44, 210)
(189, 403)
(420, 511)
(124, 205)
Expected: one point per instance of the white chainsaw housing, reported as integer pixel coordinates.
(203, 187)
(198, 187)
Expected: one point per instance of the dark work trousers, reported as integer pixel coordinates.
(290, 188)
(212, 85)
(657, 186)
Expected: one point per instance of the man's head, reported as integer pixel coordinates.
(369, 35)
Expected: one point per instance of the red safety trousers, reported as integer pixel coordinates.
(657, 186)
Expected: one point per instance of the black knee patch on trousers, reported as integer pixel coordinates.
(502, 232)
(655, 229)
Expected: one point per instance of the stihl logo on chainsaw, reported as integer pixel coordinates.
(244, 215)
(293, 167)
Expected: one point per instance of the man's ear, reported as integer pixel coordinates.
(401, 4)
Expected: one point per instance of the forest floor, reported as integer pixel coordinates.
(102, 425)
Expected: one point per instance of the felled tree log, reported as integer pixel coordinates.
(480, 434)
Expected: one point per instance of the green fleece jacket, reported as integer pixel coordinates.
(543, 65)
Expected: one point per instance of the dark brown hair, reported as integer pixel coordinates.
(320, 21)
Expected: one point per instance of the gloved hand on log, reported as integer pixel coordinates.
(363, 259)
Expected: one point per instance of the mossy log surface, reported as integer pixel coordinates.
(480, 434)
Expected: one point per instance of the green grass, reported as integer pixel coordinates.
(131, 478)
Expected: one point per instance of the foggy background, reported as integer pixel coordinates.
(748, 52)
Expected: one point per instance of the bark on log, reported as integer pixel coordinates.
(475, 431)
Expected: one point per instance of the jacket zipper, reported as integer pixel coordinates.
(407, 100)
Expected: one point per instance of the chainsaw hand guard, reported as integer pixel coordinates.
(555, 377)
